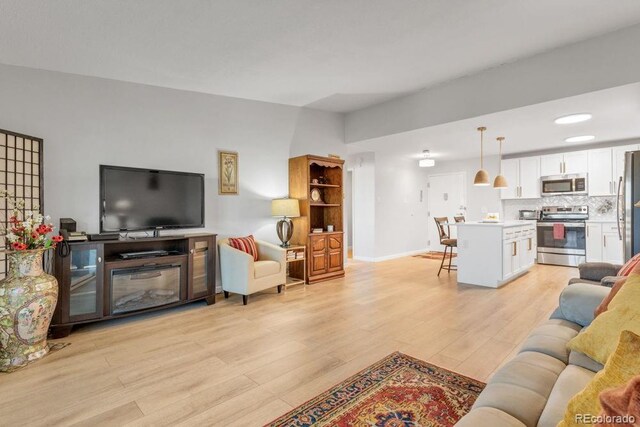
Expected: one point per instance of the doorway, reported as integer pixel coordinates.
(348, 207)
(446, 196)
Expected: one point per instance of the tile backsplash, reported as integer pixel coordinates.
(599, 207)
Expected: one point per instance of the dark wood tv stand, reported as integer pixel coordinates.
(95, 284)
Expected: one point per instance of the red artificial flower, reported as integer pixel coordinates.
(13, 219)
(18, 246)
(35, 235)
(42, 229)
(57, 238)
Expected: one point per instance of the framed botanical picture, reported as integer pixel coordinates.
(228, 172)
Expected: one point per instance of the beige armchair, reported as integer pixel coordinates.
(242, 275)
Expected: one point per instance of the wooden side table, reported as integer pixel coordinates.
(296, 265)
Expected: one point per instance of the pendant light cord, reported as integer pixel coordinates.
(500, 139)
(482, 129)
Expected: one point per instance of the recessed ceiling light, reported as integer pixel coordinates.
(581, 138)
(573, 118)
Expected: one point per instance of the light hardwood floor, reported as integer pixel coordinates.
(232, 365)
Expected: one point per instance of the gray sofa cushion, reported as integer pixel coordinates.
(597, 270)
(575, 280)
(488, 417)
(578, 301)
(521, 387)
(570, 382)
(584, 361)
(551, 338)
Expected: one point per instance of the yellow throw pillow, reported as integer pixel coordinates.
(599, 339)
(623, 365)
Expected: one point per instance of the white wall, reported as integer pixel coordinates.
(364, 205)
(401, 217)
(88, 121)
(480, 200)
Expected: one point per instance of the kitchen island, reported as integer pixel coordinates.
(493, 254)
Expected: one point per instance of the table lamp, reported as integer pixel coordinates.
(285, 208)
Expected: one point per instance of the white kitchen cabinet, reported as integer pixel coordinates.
(527, 250)
(523, 177)
(510, 170)
(493, 254)
(551, 164)
(508, 255)
(600, 178)
(606, 166)
(603, 243)
(594, 242)
(618, 163)
(576, 162)
(612, 250)
(556, 164)
(530, 177)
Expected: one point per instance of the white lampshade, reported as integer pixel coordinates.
(285, 207)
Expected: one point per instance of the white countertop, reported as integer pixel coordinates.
(503, 224)
(612, 220)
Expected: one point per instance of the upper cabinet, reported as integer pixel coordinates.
(551, 164)
(606, 167)
(600, 178)
(556, 164)
(618, 163)
(523, 177)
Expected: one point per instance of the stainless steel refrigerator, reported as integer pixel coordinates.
(628, 196)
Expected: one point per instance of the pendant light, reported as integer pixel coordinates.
(500, 181)
(482, 176)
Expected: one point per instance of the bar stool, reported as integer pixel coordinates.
(447, 241)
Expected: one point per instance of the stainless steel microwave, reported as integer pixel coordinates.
(555, 185)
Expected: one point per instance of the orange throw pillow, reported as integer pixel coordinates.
(245, 244)
(604, 305)
(621, 402)
(629, 265)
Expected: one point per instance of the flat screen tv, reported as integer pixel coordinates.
(133, 199)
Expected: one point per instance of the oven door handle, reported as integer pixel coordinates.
(566, 224)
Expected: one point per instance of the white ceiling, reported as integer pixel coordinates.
(337, 55)
(616, 116)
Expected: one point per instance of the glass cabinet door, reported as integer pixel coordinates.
(200, 257)
(85, 284)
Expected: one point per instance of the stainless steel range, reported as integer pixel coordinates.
(562, 235)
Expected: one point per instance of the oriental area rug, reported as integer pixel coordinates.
(397, 391)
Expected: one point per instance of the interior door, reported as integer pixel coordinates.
(446, 197)
(510, 172)
(600, 179)
(529, 177)
(576, 162)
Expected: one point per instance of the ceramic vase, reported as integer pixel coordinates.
(28, 298)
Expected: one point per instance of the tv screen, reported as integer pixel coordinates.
(144, 199)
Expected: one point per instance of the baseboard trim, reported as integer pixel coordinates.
(389, 257)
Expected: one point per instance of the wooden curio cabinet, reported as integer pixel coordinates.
(317, 182)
